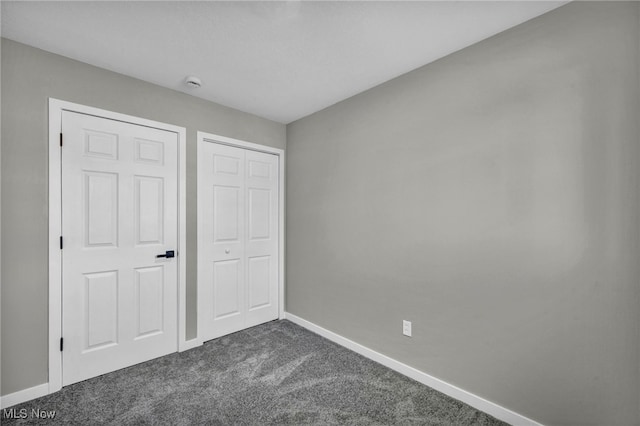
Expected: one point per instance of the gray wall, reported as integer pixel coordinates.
(29, 77)
(491, 198)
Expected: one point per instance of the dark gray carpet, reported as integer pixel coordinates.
(276, 373)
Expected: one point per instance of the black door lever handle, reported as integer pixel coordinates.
(168, 254)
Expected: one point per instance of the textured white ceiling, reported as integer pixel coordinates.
(279, 60)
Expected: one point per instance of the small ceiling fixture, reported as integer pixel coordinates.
(193, 82)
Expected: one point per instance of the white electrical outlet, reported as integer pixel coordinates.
(406, 328)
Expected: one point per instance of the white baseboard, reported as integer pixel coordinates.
(475, 401)
(24, 395)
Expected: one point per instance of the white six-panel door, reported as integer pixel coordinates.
(238, 238)
(119, 211)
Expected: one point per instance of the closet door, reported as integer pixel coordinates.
(261, 246)
(237, 239)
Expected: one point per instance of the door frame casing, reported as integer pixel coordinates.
(56, 108)
(204, 137)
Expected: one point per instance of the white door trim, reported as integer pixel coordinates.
(210, 137)
(56, 107)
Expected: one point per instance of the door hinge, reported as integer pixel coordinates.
(60, 242)
(60, 139)
(61, 344)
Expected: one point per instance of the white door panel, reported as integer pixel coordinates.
(238, 238)
(101, 310)
(119, 203)
(258, 277)
(149, 210)
(149, 288)
(261, 246)
(227, 214)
